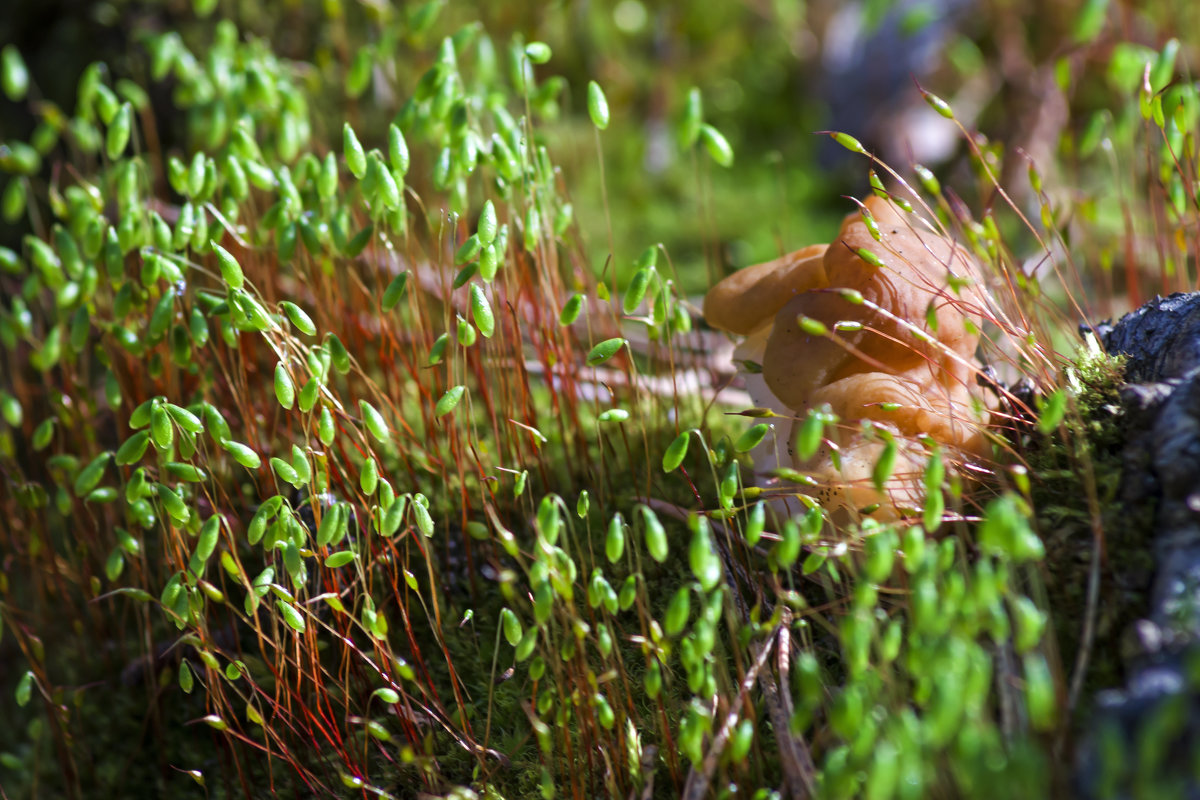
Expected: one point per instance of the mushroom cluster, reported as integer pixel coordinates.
(898, 365)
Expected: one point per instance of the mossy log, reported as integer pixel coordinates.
(1147, 732)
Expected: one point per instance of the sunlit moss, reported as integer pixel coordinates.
(330, 437)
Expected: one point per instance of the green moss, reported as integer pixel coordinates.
(1076, 477)
(392, 665)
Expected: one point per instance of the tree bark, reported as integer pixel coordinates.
(1146, 734)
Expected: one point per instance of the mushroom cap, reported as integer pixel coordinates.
(915, 274)
(848, 488)
(926, 375)
(912, 280)
(943, 409)
(752, 296)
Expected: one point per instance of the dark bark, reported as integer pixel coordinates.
(1147, 733)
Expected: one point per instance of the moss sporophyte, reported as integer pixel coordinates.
(353, 408)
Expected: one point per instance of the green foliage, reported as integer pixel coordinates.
(347, 440)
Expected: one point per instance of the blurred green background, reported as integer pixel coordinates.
(772, 73)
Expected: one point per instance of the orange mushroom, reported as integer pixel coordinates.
(905, 363)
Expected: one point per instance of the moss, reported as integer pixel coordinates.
(1076, 477)
(122, 300)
